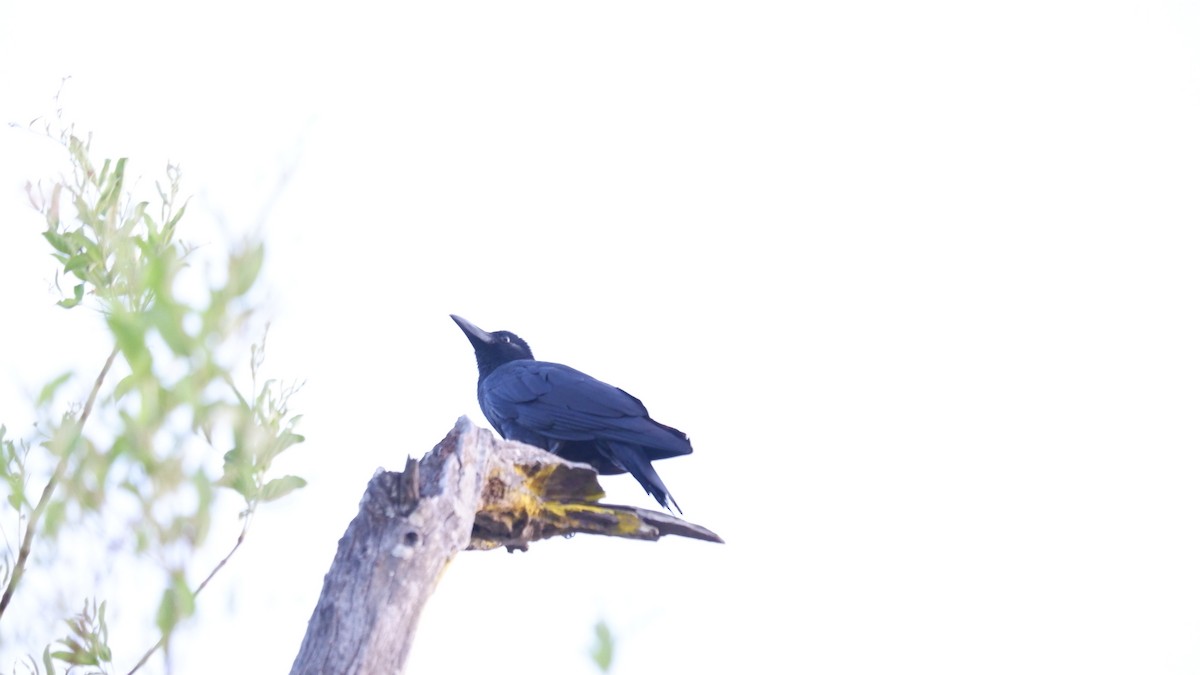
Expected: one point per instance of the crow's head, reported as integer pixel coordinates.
(493, 350)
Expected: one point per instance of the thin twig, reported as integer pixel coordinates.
(51, 485)
(163, 640)
(255, 362)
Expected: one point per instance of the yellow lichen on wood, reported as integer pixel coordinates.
(623, 523)
(561, 481)
(529, 494)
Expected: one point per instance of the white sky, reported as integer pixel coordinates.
(919, 279)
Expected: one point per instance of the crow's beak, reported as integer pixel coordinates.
(475, 334)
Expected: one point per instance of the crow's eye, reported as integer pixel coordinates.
(505, 339)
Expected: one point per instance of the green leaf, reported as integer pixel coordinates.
(84, 212)
(131, 339)
(80, 658)
(244, 269)
(48, 661)
(111, 188)
(169, 228)
(285, 440)
(138, 215)
(104, 171)
(79, 152)
(47, 393)
(71, 302)
(168, 318)
(69, 642)
(151, 226)
(77, 264)
(178, 603)
(52, 212)
(281, 487)
(238, 473)
(603, 647)
(126, 385)
(56, 514)
(81, 242)
(58, 241)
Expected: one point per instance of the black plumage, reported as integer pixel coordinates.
(569, 413)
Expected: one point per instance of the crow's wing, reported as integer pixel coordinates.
(563, 404)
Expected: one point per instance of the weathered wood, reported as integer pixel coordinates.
(408, 527)
(471, 491)
(530, 494)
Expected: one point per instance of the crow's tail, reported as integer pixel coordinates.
(633, 459)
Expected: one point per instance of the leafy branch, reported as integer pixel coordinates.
(174, 328)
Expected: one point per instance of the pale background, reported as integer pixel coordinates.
(919, 279)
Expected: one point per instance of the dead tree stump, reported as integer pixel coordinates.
(472, 491)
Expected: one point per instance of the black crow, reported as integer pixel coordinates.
(564, 411)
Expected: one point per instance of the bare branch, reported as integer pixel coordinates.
(51, 485)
